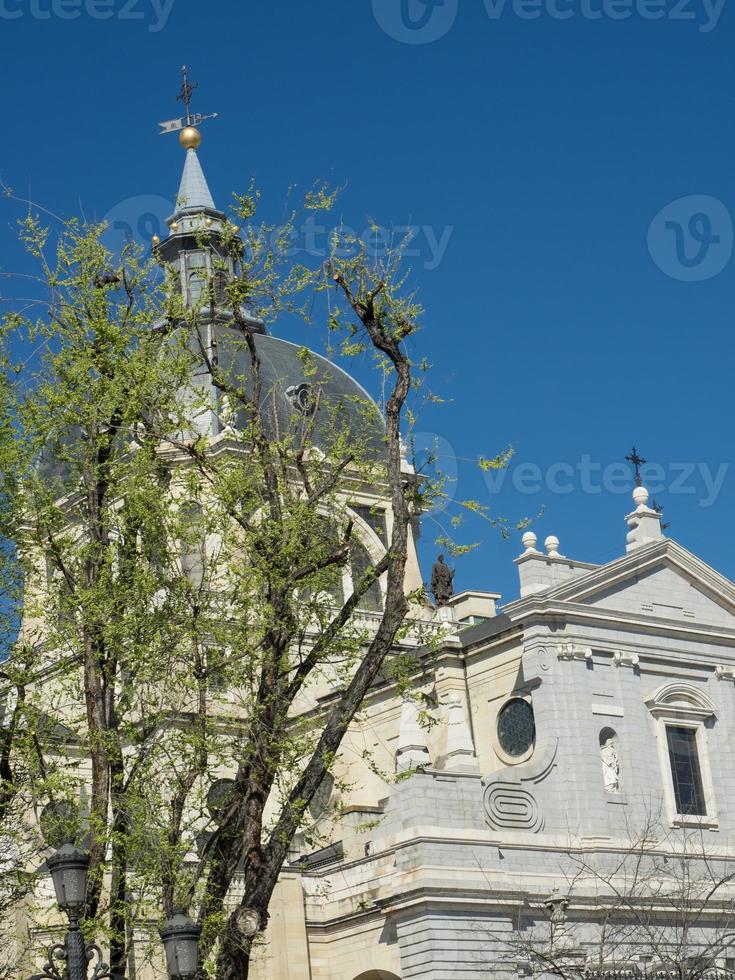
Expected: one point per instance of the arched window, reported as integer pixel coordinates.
(360, 562)
(340, 581)
(220, 281)
(378, 975)
(683, 714)
(197, 282)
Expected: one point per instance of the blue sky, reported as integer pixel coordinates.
(568, 165)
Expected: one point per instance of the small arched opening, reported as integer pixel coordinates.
(378, 975)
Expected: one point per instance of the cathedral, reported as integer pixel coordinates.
(593, 711)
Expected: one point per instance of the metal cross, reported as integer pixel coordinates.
(191, 118)
(637, 461)
(187, 90)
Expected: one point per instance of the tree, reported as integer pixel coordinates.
(184, 608)
(661, 907)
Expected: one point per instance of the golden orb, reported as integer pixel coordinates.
(190, 138)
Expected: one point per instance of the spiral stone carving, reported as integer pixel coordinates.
(510, 807)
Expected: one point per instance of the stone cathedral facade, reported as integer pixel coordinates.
(601, 697)
(563, 720)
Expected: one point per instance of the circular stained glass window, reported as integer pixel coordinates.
(516, 727)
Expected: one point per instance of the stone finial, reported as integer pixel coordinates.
(640, 497)
(644, 523)
(412, 751)
(552, 546)
(529, 541)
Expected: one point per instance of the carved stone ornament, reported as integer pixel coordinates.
(303, 398)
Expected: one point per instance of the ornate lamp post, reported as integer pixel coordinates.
(69, 867)
(70, 960)
(180, 938)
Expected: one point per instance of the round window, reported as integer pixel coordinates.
(219, 798)
(516, 727)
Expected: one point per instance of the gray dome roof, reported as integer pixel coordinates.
(294, 384)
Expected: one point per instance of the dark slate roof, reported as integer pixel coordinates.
(288, 381)
(344, 405)
(484, 631)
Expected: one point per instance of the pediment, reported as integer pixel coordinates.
(664, 581)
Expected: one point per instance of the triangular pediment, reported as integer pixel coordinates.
(662, 580)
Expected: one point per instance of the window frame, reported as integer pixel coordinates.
(683, 706)
(368, 538)
(697, 776)
(505, 757)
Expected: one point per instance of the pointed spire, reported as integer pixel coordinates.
(194, 192)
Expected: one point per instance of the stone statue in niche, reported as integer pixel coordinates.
(610, 763)
(442, 581)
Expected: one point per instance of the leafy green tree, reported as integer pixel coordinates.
(185, 611)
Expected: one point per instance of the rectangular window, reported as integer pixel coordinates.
(685, 770)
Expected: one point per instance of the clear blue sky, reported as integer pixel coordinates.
(543, 147)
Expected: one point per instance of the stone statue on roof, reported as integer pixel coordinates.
(442, 581)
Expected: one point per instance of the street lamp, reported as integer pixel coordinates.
(180, 938)
(69, 868)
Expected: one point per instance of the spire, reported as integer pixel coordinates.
(198, 246)
(194, 192)
(194, 195)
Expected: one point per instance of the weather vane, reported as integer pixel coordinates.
(189, 137)
(637, 462)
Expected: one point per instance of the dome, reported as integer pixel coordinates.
(296, 384)
(299, 387)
